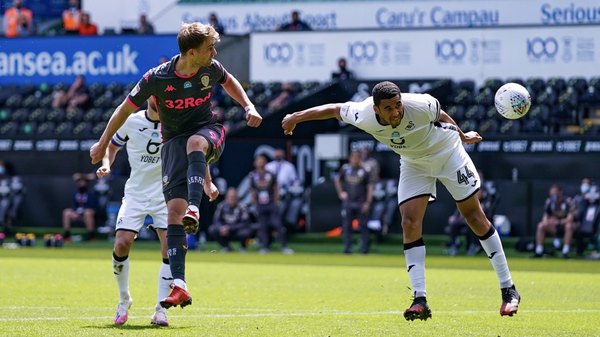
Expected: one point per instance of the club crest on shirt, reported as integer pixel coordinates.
(410, 125)
(165, 180)
(205, 81)
(187, 85)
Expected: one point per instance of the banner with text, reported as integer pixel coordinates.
(453, 53)
(243, 18)
(99, 58)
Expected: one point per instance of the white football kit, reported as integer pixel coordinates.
(143, 189)
(429, 150)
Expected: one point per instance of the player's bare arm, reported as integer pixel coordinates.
(326, 111)
(210, 188)
(117, 120)
(108, 160)
(470, 137)
(234, 89)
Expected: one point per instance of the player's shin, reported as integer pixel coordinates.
(164, 280)
(414, 254)
(493, 248)
(176, 250)
(195, 175)
(121, 272)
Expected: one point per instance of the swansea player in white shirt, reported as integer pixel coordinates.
(143, 196)
(429, 143)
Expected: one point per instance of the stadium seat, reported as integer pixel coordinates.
(19, 115)
(557, 84)
(510, 127)
(5, 115)
(485, 97)
(547, 97)
(55, 115)
(45, 129)
(92, 115)
(63, 129)
(82, 129)
(8, 129)
(74, 116)
(96, 90)
(468, 85)
(579, 84)
(489, 126)
(14, 101)
(535, 86)
(457, 112)
(517, 80)
(37, 115)
(31, 101)
(98, 128)
(493, 84)
(462, 97)
(475, 112)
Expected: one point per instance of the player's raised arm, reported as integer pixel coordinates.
(117, 119)
(234, 89)
(326, 111)
(470, 137)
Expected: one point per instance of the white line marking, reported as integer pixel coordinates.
(292, 314)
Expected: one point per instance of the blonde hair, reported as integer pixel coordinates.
(192, 35)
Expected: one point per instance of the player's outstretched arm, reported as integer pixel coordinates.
(117, 120)
(234, 89)
(326, 111)
(107, 161)
(470, 137)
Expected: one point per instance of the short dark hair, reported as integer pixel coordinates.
(385, 90)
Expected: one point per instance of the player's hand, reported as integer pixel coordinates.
(288, 125)
(343, 196)
(253, 118)
(103, 171)
(472, 137)
(211, 191)
(97, 153)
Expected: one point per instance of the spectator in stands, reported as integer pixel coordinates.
(265, 198)
(587, 203)
(11, 196)
(342, 73)
(558, 215)
(231, 221)
(285, 97)
(370, 164)
(87, 28)
(71, 18)
(295, 24)
(76, 97)
(488, 199)
(284, 171)
(355, 191)
(83, 208)
(18, 20)
(145, 27)
(214, 21)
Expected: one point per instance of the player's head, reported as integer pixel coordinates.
(387, 102)
(260, 161)
(198, 41)
(231, 196)
(354, 158)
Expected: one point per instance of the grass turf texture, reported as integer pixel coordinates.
(71, 292)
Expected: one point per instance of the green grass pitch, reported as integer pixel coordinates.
(71, 292)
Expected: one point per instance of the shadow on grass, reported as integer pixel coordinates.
(134, 327)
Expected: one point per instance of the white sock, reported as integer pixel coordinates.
(415, 264)
(180, 283)
(566, 248)
(539, 249)
(121, 271)
(495, 252)
(164, 281)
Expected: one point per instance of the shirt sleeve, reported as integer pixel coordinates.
(142, 90)
(218, 72)
(121, 136)
(432, 108)
(349, 113)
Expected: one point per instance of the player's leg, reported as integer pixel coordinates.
(196, 148)
(129, 221)
(174, 171)
(347, 227)
(415, 188)
(120, 259)
(275, 220)
(462, 180)
(570, 227)
(546, 226)
(264, 229)
(69, 215)
(365, 234)
(176, 251)
(90, 223)
(164, 280)
(412, 212)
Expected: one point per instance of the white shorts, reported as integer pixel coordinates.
(454, 169)
(133, 213)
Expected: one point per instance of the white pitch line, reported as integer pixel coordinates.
(295, 314)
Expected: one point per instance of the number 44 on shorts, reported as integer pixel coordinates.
(463, 175)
